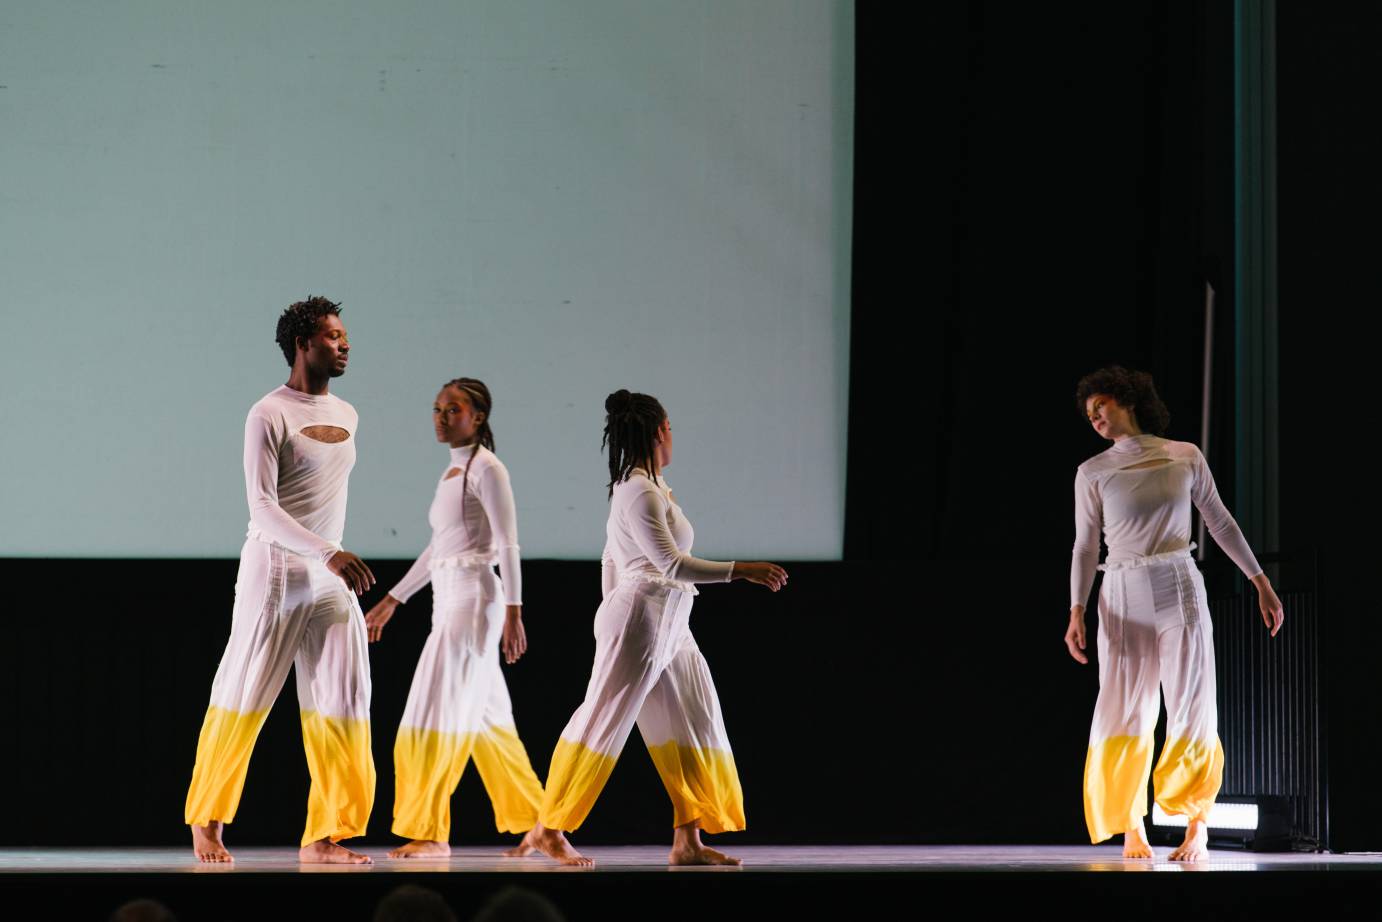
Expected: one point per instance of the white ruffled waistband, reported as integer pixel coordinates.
(460, 561)
(640, 576)
(1149, 560)
(254, 534)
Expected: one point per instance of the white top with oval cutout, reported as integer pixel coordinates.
(296, 484)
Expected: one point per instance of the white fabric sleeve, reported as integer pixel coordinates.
(609, 571)
(261, 489)
(418, 575)
(1218, 521)
(496, 496)
(1089, 525)
(647, 519)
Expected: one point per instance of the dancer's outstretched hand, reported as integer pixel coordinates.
(379, 615)
(1273, 614)
(1074, 635)
(765, 574)
(351, 569)
(514, 641)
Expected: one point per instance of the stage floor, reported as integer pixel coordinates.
(653, 858)
(798, 882)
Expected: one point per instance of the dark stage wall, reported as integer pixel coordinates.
(1039, 191)
(1329, 148)
(862, 704)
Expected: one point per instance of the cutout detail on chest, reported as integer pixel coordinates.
(329, 434)
(1159, 462)
(454, 472)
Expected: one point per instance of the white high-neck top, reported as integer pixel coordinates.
(647, 533)
(484, 525)
(1146, 510)
(296, 485)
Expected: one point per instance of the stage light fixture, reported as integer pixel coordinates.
(1259, 823)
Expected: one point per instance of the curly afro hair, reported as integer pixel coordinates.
(1129, 388)
(300, 320)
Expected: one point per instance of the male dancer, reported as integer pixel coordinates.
(293, 605)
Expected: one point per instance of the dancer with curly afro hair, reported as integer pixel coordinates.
(1154, 627)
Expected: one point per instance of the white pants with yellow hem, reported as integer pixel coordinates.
(648, 670)
(1154, 630)
(290, 611)
(459, 708)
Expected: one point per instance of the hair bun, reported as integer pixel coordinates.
(618, 402)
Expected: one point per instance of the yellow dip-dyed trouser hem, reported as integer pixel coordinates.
(459, 708)
(342, 769)
(648, 670)
(1154, 635)
(574, 782)
(1115, 785)
(223, 757)
(703, 785)
(290, 611)
(428, 765)
(1188, 776)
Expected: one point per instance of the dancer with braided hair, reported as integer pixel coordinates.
(459, 705)
(648, 668)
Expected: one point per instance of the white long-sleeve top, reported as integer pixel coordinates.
(648, 533)
(488, 527)
(295, 484)
(1146, 510)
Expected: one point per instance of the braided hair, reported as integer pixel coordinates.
(480, 402)
(1132, 389)
(631, 424)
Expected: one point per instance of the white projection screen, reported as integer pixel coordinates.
(560, 197)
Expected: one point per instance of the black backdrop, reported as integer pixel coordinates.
(1039, 190)
(1328, 149)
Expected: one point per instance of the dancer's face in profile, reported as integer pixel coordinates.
(663, 445)
(453, 418)
(1109, 418)
(326, 350)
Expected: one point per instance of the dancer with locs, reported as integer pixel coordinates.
(294, 605)
(1154, 625)
(648, 668)
(459, 707)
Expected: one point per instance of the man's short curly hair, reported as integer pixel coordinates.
(300, 320)
(1129, 388)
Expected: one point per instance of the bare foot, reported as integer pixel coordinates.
(700, 854)
(523, 849)
(1196, 844)
(553, 844)
(687, 848)
(207, 844)
(1135, 844)
(324, 851)
(421, 848)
